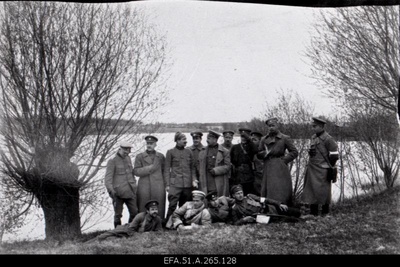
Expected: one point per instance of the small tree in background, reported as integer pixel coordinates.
(355, 59)
(294, 114)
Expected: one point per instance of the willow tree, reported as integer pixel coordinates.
(355, 58)
(75, 78)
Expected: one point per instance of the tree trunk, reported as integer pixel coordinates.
(60, 204)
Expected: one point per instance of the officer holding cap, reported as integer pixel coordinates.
(121, 184)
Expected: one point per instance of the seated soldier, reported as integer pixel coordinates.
(191, 214)
(219, 207)
(146, 221)
(248, 207)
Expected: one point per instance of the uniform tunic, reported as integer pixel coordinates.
(253, 205)
(242, 159)
(188, 214)
(195, 152)
(221, 212)
(149, 168)
(179, 174)
(277, 181)
(119, 178)
(144, 222)
(317, 187)
(221, 167)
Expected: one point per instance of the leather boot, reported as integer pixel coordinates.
(117, 223)
(325, 209)
(314, 209)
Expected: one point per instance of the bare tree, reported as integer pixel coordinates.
(75, 78)
(355, 58)
(355, 54)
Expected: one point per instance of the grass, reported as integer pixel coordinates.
(370, 225)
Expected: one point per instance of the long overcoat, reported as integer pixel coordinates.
(317, 188)
(222, 170)
(151, 183)
(277, 182)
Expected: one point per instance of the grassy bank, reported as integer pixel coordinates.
(368, 226)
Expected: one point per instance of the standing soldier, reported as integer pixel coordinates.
(228, 137)
(196, 148)
(258, 163)
(277, 182)
(215, 165)
(179, 174)
(121, 184)
(323, 155)
(149, 166)
(242, 155)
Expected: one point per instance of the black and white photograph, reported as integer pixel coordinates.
(200, 132)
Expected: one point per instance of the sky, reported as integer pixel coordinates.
(231, 59)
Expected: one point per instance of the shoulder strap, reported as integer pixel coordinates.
(244, 151)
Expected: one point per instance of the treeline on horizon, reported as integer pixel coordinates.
(344, 132)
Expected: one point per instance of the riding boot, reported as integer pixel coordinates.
(314, 209)
(325, 209)
(116, 223)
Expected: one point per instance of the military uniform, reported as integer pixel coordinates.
(190, 214)
(195, 152)
(179, 175)
(121, 185)
(149, 167)
(317, 188)
(221, 211)
(242, 160)
(277, 181)
(259, 166)
(251, 205)
(215, 165)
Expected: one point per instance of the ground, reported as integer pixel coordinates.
(369, 225)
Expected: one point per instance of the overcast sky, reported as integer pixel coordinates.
(230, 59)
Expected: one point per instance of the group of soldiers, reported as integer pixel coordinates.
(227, 183)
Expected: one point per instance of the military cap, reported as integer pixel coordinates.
(196, 133)
(247, 130)
(151, 203)
(319, 120)
(214, 134)
(228, 132)
(178, 136)
(256, 134)
(211, 194)
(198, 193)
(125, 145)
(271, 120)
(151, 139)
(236, 188)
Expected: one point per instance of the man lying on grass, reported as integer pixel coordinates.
(146, 221)
(247, 208)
